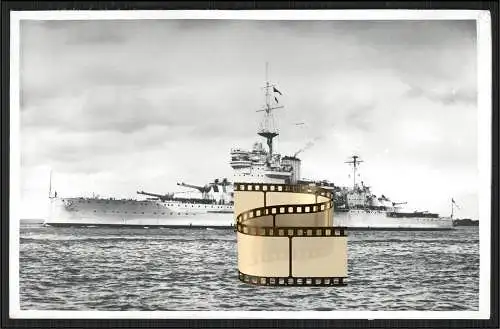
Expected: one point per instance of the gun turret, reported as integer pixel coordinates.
(213, 186)
(203, 189)
(168, 196)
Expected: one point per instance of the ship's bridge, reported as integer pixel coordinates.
(240, 159)
(236, 164)
(356, 198)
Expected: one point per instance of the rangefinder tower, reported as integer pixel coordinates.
(285, 231)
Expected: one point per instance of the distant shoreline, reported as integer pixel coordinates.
(32, 220)
(465, 222)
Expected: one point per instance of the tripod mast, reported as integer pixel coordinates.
(268, 129)
(355, 163)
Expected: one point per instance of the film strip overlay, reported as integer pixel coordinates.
(286, 236)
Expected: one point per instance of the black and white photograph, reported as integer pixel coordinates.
(142, 139)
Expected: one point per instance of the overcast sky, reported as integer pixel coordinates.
(117, 106)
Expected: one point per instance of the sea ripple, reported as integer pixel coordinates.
(195, 269)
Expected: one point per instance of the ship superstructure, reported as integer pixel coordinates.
(358, 207)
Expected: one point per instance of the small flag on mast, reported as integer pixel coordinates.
(276, 90)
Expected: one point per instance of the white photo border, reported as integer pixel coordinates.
(484, 65)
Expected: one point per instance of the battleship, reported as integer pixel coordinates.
(354, 207)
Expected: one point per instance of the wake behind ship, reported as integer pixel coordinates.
(355, 207)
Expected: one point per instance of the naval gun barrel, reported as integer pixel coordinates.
(159, 196)
(202, 189)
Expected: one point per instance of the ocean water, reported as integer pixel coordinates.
(126, 269)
